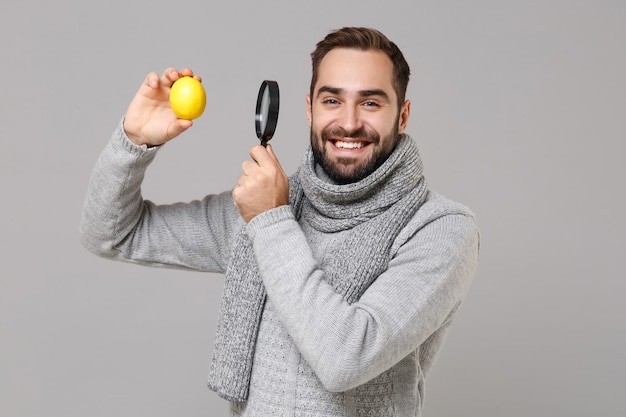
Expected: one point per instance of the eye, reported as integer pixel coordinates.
(330, 101)
(371, 104)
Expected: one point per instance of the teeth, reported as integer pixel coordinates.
(349, 145)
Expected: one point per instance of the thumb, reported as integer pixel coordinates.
(270, 151)
(177, 127)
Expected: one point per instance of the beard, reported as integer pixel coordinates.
(347, 170)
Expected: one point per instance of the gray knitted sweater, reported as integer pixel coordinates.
(315, 355)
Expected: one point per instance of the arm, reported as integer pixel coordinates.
(117, 222)
(347, 345)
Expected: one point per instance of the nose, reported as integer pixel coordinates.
(349, 119)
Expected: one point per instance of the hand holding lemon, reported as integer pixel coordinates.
(164, 107)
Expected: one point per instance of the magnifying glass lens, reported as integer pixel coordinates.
(265, 108)
(267, 111)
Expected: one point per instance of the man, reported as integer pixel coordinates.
(341, 280)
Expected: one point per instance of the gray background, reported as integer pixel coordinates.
(519, 111)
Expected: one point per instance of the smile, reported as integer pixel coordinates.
(349, 145)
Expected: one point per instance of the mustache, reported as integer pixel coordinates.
(362, 134)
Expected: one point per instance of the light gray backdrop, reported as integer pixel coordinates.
(519, 109)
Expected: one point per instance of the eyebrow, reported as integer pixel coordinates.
(362, 93)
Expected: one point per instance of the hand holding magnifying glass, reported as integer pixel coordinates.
(267, 111)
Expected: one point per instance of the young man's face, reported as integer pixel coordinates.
(353, 113)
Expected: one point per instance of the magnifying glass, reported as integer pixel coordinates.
(267, 111)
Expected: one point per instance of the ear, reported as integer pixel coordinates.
(405, 112)
(308, 109)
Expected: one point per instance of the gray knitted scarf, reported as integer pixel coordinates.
(374, 209)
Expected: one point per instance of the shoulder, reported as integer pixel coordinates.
(436, 206)
(442, 217)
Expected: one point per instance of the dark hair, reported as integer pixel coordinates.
(364, 39)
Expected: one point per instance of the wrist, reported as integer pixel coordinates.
(269, 219)
(135, 139)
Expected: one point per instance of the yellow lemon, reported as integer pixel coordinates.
(187, 98)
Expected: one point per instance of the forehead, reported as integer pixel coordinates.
(356, 70)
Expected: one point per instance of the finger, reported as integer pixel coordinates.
(152, 80)
(270, 151)
(247, 167)
(169, 76)
(186, 72)
(260, 154)
(183, 124)
(235, 193)
(177, 127)
(241, 183)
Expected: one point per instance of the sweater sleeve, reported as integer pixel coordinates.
(411, 303)
(118, 223)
